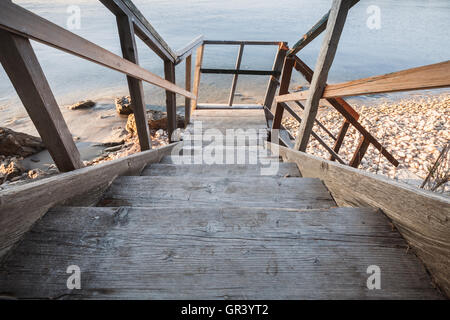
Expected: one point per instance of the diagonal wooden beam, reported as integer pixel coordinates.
(274, 80)
(313, 33)
(25, 23)
(23, 68)
(129, 52)
(235, 77)
(336, 21)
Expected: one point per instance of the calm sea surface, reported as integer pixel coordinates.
(412, 33)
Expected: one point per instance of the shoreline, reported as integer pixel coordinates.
(414, 128)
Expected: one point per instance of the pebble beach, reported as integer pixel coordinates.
(413, 129)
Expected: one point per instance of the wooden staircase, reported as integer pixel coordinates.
(215, 231)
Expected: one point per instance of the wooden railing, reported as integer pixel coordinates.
(274, 72)
(427, 77)
(18, 25)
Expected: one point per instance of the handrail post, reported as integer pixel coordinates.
(129, 52)
(360, 152)
(340, 138)
(284, 88)
(22, 66)
(274, 80)
(235, 78)
(171, 102)
(187, 101)
(197, 74)
(336, 21)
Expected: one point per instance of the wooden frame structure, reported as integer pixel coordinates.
(274, 73)
(18, 25)
(427, 77)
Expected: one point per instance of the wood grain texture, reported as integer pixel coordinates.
(427, 77)
(187, 50)
(22, 66)
(25, 23)
(218, 170)
(313, 33)
(129, 52)
(171, 99)
(235, 77)
(16, 214)
(423, 218)
(299, 193)
(335, 25)
(188, 80)
(143, 28)
(197, 74)
(272, 86)
(213, 253)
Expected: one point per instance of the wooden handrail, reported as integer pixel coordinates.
(25, 23)
(245, 42)
(187, 50)
(143, 28)
(427, 77)
(313, 33)
(235, 71)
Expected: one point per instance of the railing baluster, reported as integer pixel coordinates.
(360, 152)
(129, 52)
(235, 78)
(187, 101)
(171, 102)
(284, 88)
(340, 138)
(197, 74)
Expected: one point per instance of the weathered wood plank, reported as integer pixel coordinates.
(143, 28)
(22, 66)
(274, 80)
(423, 218)
(247, 42)
(16, 214)
(226, 106)
(25, 23)
(335, 25)
(359, 152)
(218, 192)
(340, 138)
(129, 52)
(218, 170)
(313, 33)
(197, 74)
(427, 77)
(171, 99)
(187, 101)
(189, 49)
(214, 253)
(235, 77)
(237, 72)
(284, 87)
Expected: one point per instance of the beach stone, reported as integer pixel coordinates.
(11, 169)
(14, 143)
(85, 104)
(156, 120)
(123, 105)
(36, 173)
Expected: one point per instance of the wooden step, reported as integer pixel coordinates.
(208, 191)
(213, 253)
(209, 106)
(286, 169)
(188, 159)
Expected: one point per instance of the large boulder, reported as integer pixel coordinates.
(124, 106)
(14, 143)
(156, 120)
